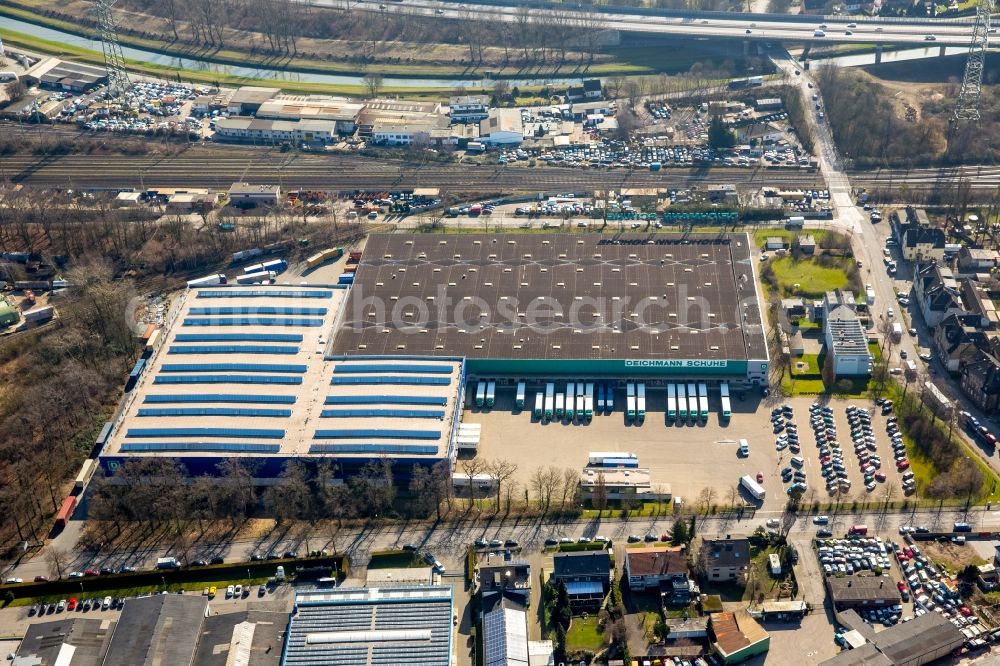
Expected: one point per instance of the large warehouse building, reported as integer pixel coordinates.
(538, 305)
(355, 374)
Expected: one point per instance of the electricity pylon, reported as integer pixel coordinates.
(118, 82)
(970, 96)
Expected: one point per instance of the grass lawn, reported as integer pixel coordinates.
(395, 559)
(92, 588)
(812, 363)
(584, 635)
(813, 280)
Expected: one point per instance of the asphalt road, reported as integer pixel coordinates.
(762, 27)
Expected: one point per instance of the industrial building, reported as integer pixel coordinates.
(540, 306)
(247, 129)
(371, 626)
(737, 637)
(919, 641)
(353, 374)
(243, 372)
(56, 74)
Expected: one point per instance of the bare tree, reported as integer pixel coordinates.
(599, 496)
(501, 470)
(473, 467)
(373, 82)
(706, 498)
(58, 561)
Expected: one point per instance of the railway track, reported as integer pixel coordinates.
(198, 167)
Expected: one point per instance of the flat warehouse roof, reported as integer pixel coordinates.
(555, 296)
(206, 393)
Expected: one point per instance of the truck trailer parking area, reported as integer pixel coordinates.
(687, 455)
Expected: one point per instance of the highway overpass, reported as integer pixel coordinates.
(697, 25)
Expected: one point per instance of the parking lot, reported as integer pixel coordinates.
(691, 457)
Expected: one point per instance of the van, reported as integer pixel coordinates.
(963, 527)
(819, 33)
(798, 461)
(744, 448)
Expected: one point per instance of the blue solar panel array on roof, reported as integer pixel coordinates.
(232, 367)
(374, 448)
(369, 368)
(388, 379)
(196, 447)
(213, 411)
(233, 349)
(377, 433)
(238, 337)
(250, 433)
(227, 379)
(386, 400)
(260, 309)
(262, 293)
(222, 397)
(253, 321)
(384, 413)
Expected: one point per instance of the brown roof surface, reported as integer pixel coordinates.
(735, 631)
(656, 561)
(556, 296)
(862, 588)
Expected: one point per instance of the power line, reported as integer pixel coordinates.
(119, 85)
(970, 96)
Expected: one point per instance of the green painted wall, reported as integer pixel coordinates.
(760, 647)
(611, 368)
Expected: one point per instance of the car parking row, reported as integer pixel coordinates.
(899, 455)
(865, 448)
(831, 457)
(78, 605)
(853, 555)
(787, 437)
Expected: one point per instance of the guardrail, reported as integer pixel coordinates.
(673, 13)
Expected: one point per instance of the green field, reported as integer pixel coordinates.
(584, 635)
(813, 280)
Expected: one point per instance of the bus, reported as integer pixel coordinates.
(481, 394)
(560, 405)
(703, 401)
(727, 409)
(682, 403)
(539, 398)
(755, 489)
(630, 400)
(519, 399)
(671, 402)
(491, 394)
(692, 393)
(640, 401)
(550, 396)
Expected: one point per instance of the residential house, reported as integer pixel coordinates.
(662, 568)
(575, 94)
(592, 89)
(847, 341)
(510, 580)
(725, 560)
(936, 292)
(978, 302)
(794, 308)
(759, 133)
(468, 108)
(918, 240)
(979, 378)
(976, 260)
(955, 336)
(587, 575)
